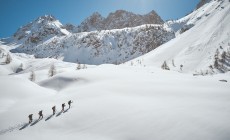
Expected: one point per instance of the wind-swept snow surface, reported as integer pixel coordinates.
(116, 102)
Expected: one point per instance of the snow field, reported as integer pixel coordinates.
(119, 102)
(138, 102)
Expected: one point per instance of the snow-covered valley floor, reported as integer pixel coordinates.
(136, 100)
(116, 103)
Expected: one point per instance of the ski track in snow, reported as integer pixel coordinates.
(24, 125)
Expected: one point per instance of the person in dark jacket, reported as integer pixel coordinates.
(63, 106)
(40, 114)
(30, 118)
(54, 109)
(69, 103)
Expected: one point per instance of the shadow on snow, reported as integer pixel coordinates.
(24, 126)
(49, 117)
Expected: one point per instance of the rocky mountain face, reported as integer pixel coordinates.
(70, 28)
(99, 47)
(92, 23)
(120, 37)
(118, 20)
(40, 30)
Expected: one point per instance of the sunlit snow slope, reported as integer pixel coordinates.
(111, 102)
(195, 48)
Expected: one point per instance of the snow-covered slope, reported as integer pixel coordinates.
(111, 102)
(196, 48)
(98, 47)
(115, 102)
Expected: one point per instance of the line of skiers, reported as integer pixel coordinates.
(54, 111)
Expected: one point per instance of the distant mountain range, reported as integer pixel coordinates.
(117, 20)
(118, 38)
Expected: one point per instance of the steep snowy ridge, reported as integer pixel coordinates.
(195, 49)
(98, 47)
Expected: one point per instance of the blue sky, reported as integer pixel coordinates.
(15, 13)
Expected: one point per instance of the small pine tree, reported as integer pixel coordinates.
(52, 70)
(201, 72)
(173, 63)
(211, 67)
(216, 63)
(8, 59)
(21, 66)
(165, 66)
(217, 54)
(32, 76)
(181, 67)
(207, 72)
(131, 63)
(223, 56)
(216, 57)
(84, 66)
(228, 52)
(78, 66)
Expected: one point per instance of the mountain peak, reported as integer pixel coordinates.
(95, 18)
(118, 20)
(92, 23)
(43, 27)
(153, 12)
(153, 17)
(120, 12)
(48, 17)
(45, 18)
(96, 14)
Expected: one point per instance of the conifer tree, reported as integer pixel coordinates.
(173, 63)
(223, 56)
(181, 67)
(8, 58)
(216, 57)
(78, 66)
(32, 76)
(52, 70)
